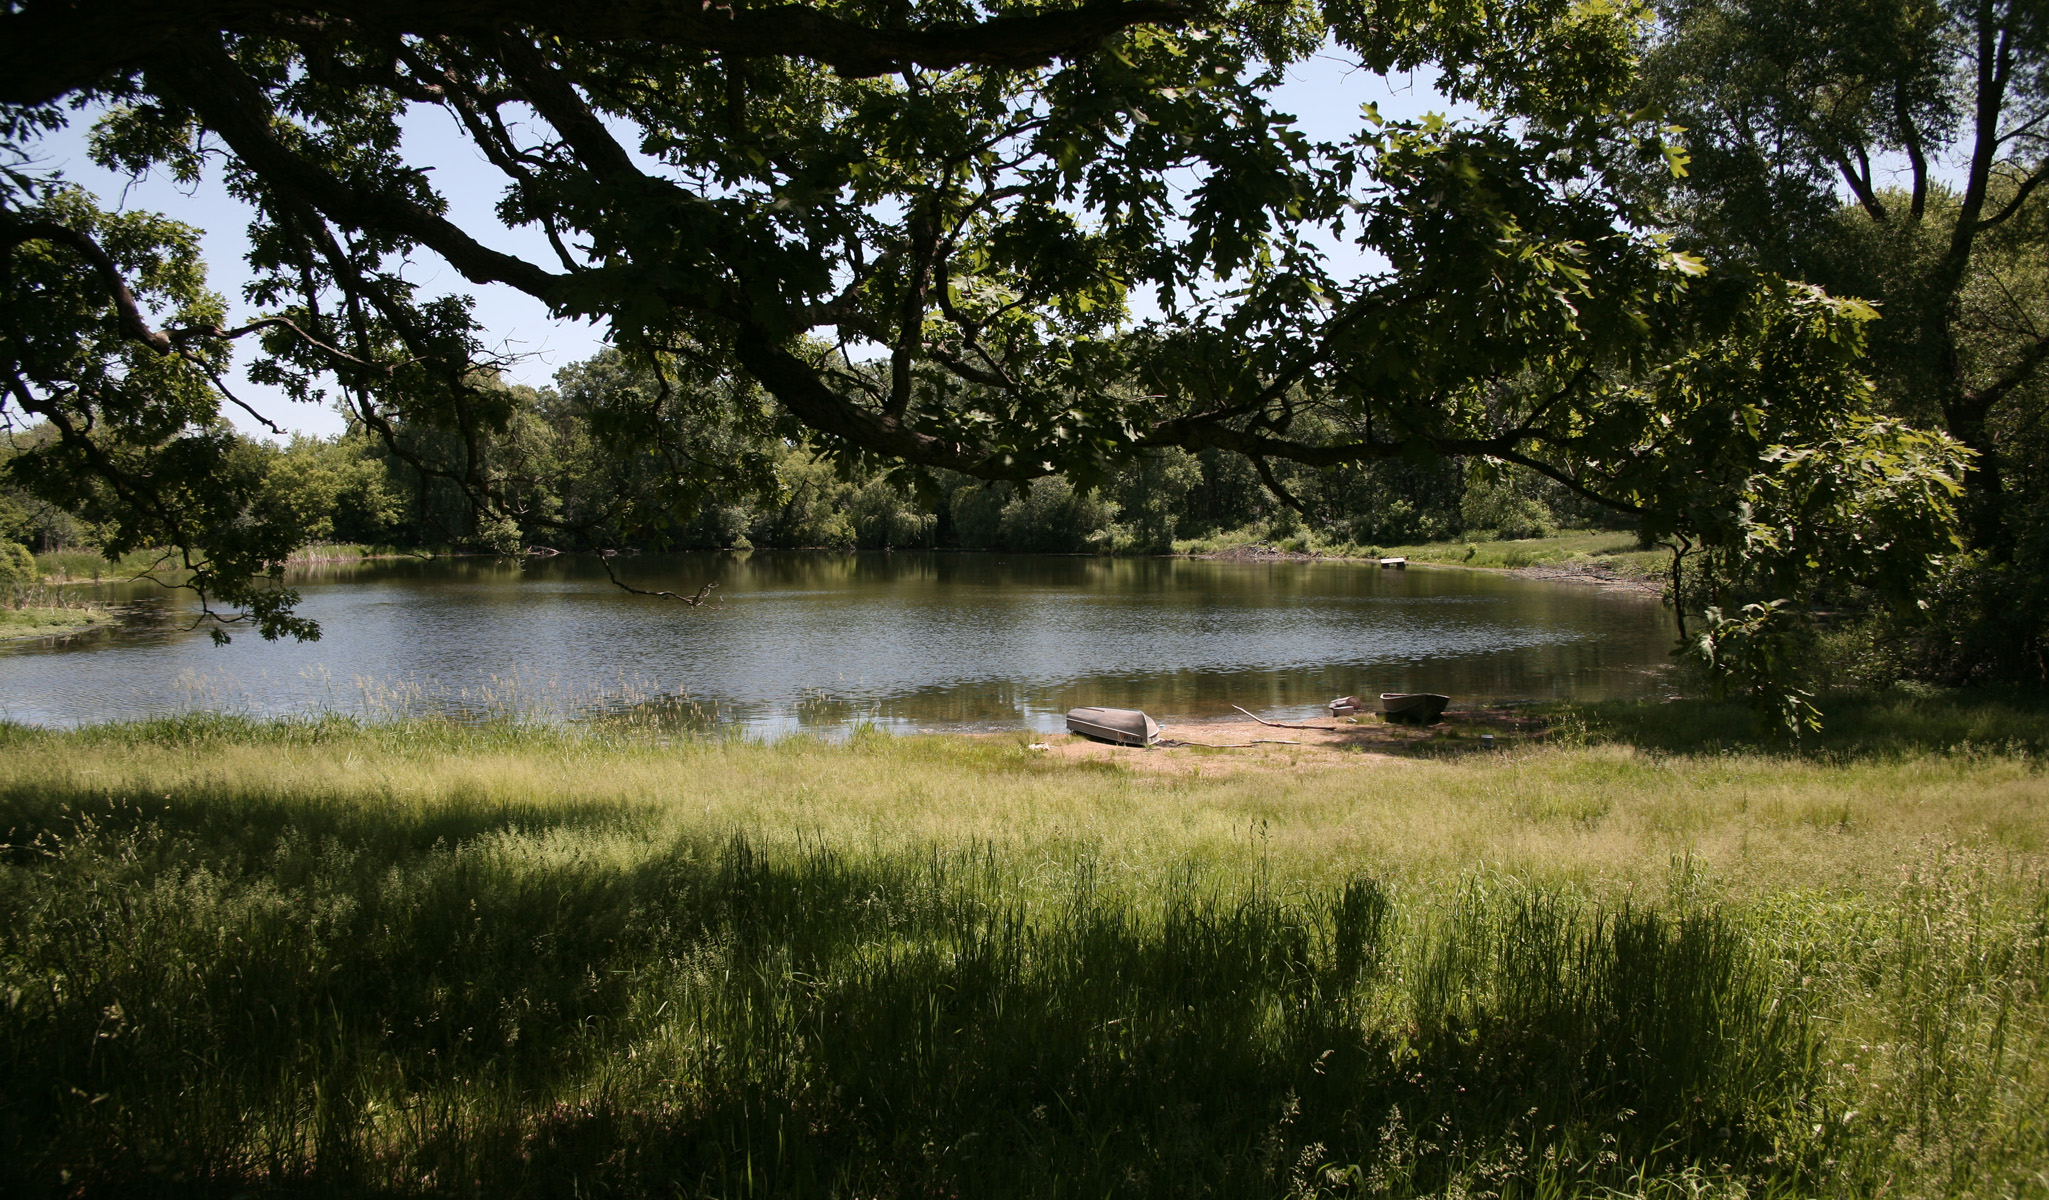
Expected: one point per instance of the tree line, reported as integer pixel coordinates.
(564, 490)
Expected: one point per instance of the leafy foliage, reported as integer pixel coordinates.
(857, 280)
(140, 447)
(985, 224)
(1794, 110)
(17, 569)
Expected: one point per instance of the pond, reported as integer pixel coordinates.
(818, 641)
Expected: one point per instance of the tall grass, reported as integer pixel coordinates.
(323, 553)
(420, 958)
(1616, 552)
(40, 610)
(90, 566)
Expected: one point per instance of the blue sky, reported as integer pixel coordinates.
(1325, 92)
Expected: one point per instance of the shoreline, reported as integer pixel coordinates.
(1186, 746)
(1580, 570)
(1593, 574)
(17, 625)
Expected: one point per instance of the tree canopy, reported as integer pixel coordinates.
(1897, 150)
(1791, 104)
(1003, 241)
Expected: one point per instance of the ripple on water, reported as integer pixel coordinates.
(817, 641)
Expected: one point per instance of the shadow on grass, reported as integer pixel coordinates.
(223, 997)
(1854, 726)
(224, 825)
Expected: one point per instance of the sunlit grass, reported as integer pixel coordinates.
(320, 553)
(90, 566)
(41, 610)
(33, 621)
(416, 957)
(1618, 551)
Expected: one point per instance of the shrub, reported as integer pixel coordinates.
(884, 518)
(1985, 622)
(1152, 495)
(811, 508)
(977, 510)
(1399, 523)
(722, 524)
(1506, 505)
(17, 570)
(1051, 517)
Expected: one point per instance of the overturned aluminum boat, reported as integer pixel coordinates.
(1412, 708)
(1395, 564)
(1124, 726)
(1345, 706)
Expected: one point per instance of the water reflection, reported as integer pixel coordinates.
(815, 641)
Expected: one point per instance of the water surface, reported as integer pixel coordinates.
(906, 640)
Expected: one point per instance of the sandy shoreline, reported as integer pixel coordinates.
(1206, 747)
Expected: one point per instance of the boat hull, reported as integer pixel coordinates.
(1122, 726)
(1412, 708)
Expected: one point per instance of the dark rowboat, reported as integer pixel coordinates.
(1124, 726)
(1412, 708)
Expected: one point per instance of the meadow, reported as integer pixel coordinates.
(1617, 552)
(1605, 550)
(1643, 954)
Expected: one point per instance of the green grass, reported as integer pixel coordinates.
(1250, 535)
(41, 610)
(90, 566)
(416, 958)
(32, 622)
(1616, 551)
(346, 552)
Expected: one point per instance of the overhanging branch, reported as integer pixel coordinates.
(51, 48)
